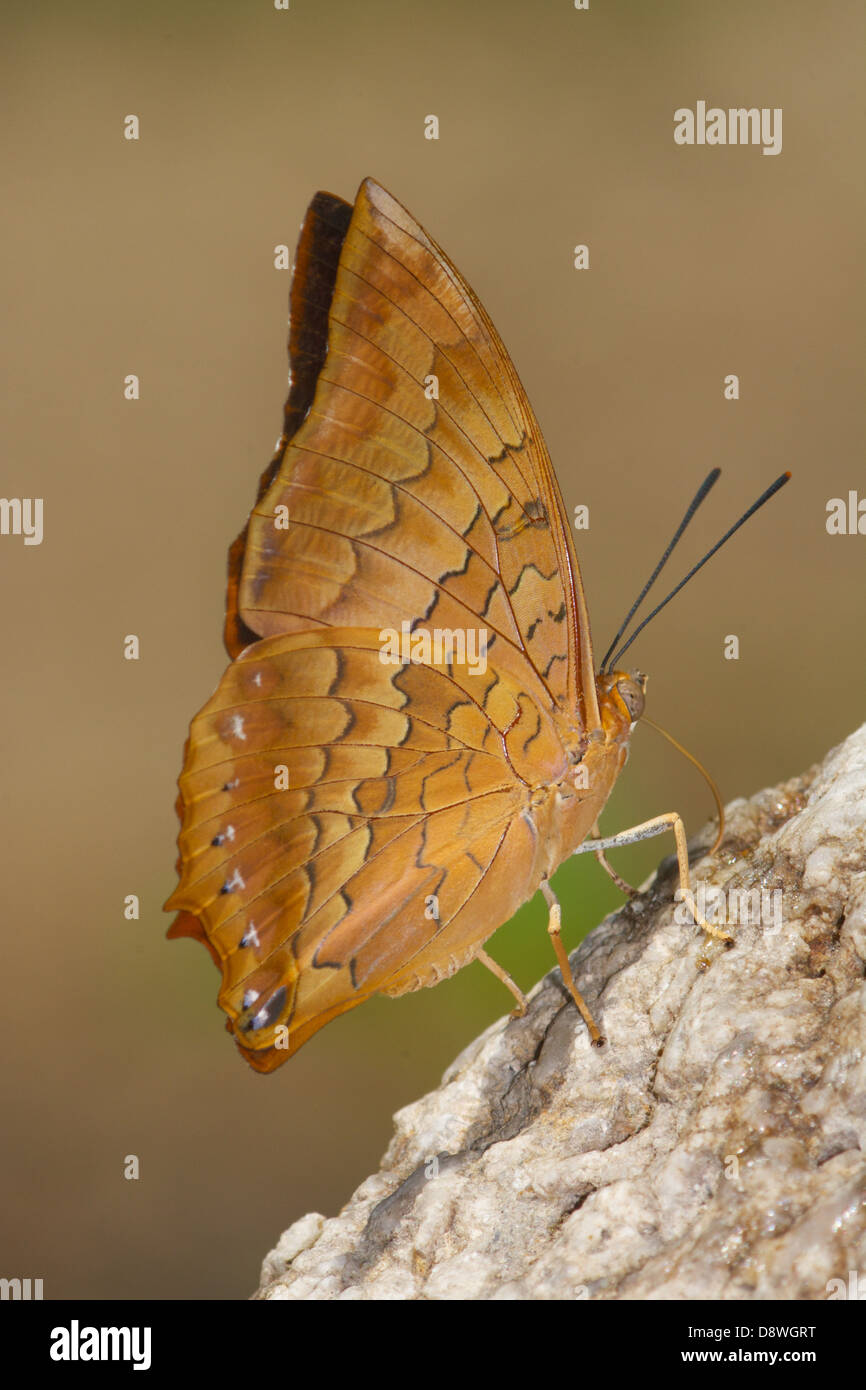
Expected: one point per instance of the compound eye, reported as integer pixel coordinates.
(632, 697)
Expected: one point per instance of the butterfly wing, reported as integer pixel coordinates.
(352, 826)
(412, 470)
(329, 800)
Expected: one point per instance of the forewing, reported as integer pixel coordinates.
(416, 481)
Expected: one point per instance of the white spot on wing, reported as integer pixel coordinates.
(250, 936)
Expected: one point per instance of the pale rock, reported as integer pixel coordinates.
(714, 1149)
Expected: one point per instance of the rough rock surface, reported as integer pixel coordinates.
(713, 1149)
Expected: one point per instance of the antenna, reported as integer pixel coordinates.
(765, 497)
(693, 507)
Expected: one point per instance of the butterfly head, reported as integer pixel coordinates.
(621, 699)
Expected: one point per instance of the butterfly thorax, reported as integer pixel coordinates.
(565, 811)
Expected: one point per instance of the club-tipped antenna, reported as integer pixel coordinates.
(693, 507)
(765, 497)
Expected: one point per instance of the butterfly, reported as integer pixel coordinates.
(411, 736)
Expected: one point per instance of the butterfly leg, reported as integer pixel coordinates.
(658, 826)
(611, 872)
(554, 923)
(501, 974)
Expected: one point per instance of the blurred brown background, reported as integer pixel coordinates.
(156, 257)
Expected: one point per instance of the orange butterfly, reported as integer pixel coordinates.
(411, 736)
